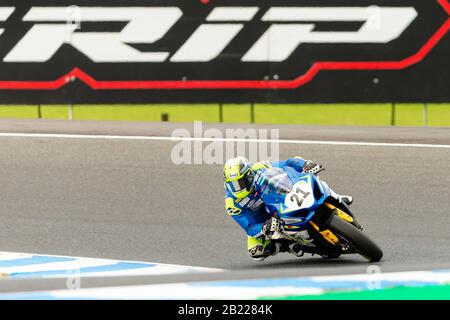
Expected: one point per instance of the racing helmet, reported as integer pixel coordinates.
(239, 177)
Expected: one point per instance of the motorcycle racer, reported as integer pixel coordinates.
(244, 204)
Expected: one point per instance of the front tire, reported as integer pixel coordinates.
(356, 239)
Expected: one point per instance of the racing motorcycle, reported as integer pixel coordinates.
(310, 217)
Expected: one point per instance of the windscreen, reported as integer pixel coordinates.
(277, 181)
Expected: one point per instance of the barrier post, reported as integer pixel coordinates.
(70, 112)
(220, 112)
(252, 113)
(425, 114)
(393, 114)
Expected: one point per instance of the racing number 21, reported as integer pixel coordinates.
(295, 196)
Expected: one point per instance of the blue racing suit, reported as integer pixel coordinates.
(250, 212)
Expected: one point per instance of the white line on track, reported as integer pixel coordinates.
(27, 265)
(176, 139)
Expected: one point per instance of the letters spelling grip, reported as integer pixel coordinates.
(147, 25)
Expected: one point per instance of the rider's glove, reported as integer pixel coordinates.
(312, 167)
(271, 227)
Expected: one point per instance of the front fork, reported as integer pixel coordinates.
(333, 202)
(323, 217)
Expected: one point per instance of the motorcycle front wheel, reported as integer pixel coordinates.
(356, 239)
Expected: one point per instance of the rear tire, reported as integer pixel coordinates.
(358, 240)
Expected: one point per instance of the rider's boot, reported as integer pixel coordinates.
(260, 252)
(348, 200)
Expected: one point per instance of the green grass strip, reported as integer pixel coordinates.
(397, 293)
(439, 114)
(303, 114)
(324, 114)
(176, 113)
(18, 111)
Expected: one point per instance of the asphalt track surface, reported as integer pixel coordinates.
(125, 199)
